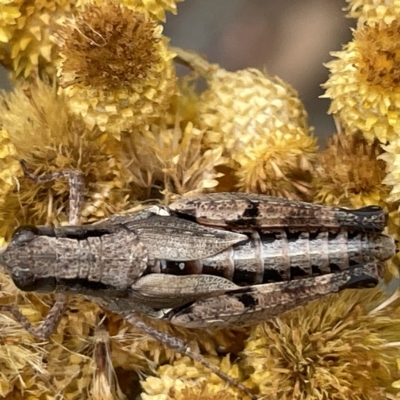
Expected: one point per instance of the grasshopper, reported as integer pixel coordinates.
(213, 261)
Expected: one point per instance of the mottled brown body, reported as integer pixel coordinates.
(238, 210)
(214, 261)
(122, 256)
(246, 306)
(282, 255)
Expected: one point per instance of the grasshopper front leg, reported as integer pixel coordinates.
(49, 323)
(52, 319)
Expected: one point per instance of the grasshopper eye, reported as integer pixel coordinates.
(26, 281)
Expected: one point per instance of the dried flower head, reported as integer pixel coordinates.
(9, 14)
(364, 82)
(260, 124)
(154, 8)
(44, 134)
(391, 157)
(248, 105)
(278, 164)
(336, 348)
(349, 174)
(9, 172)
(44, 370)
(27, 29)
(173, 160)
(117, 72)
(69, 354)
(374, 10)
(185, 379)
(168, 159)
(21, 357)
(26, 43)
(202, 391)
(188, 168)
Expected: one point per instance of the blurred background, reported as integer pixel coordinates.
(291, 39)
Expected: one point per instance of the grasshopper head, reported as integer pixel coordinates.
(24, 260)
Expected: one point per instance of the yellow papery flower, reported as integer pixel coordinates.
(116, 72)
(391, 157)
(278, 164)
(364, 84)
(174, 159)
(188, 380)
(344, 346)
(261, 125)
(349, 174)
(155, 8)
(50, 139)
(370, 11)
(26, 43)
(9, 14)
(10, 170)
(27, 29)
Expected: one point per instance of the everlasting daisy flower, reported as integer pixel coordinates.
(26, 43)
(349, 174)
(172, 159)
(155, 8)
(9, 172)
(260, 124)
(364, 84)
(50, 139)
(116, 71)
(187, 380)
(9, 14)
(21, 357)
(371, 11)
(391, 156)
(343, 347)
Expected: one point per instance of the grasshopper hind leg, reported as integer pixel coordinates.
(253, 304)
(181, 347)
(363, 277)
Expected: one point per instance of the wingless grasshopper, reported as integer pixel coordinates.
(213, 261)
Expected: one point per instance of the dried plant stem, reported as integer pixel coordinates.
(386, 303)
(193, 61)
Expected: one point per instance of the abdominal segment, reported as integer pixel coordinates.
(284, 255)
